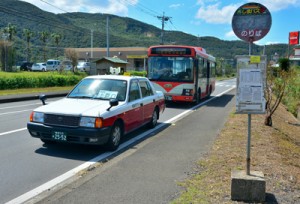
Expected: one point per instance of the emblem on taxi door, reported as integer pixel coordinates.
(168, 86)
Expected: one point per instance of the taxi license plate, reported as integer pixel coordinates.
(62, 136)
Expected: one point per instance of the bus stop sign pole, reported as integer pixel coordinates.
(248, 145)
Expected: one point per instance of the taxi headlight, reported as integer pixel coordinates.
(87, 122)
(91, 122)
(37, 117)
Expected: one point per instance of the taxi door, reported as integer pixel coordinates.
(148, 100)
(135, 116)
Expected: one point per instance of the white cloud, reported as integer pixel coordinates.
(197, 23)
(276, 5)
(211, 11)
(216, 15)
(176, 5)
(230, 34)
(262, 42)
(118, 7)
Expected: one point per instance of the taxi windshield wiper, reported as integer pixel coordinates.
(80, 97)
(100, 98)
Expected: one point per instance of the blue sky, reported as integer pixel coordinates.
(196, 17)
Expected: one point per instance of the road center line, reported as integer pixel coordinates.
(10, 107)
(15, 112)
(13, 131)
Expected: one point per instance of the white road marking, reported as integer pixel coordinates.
(13, 131)
(15, 112)
(50, 184)
(10, 107)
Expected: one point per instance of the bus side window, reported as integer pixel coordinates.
(200, 67)
(145, 89)
(213, 69)
(204, 68)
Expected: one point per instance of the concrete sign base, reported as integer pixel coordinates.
(249, 188)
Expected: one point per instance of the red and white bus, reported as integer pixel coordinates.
(182, 73)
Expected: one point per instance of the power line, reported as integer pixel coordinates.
(173, 24)
(37, 19)
(140, 7)
(54, 6)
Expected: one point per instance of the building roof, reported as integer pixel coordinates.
(113, 59)
(97, 49)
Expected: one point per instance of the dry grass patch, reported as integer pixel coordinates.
(274, 150)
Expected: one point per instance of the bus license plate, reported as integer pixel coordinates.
(168, 98)
(62, 136)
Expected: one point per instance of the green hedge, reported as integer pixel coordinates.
(37, 80)
(18, 80)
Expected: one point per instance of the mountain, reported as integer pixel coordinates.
(77, 28)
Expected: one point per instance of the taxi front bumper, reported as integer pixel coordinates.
(78, 135)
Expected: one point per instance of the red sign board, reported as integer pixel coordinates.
(294, 38)
(251, 22)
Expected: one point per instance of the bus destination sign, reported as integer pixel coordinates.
(171, 51)
(251, 22)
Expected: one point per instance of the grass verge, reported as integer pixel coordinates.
(274, 150)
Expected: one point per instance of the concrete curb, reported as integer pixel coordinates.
(26, 97)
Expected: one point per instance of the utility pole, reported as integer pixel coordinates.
(92, 36)
(163, 20)
(107, 36)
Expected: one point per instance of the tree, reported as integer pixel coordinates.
(73, 56)
(28, 34)
(44, 35)
(9, 31)
(57, 38)
(277, 80)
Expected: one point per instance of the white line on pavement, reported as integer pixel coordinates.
(13, 131)
(15, 112)
(8, 107)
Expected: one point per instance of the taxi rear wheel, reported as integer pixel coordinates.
(114, 137)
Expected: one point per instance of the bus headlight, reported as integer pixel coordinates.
(187, 92)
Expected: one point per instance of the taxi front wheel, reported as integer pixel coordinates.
(115, 137)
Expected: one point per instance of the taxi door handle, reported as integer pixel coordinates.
(141, 104)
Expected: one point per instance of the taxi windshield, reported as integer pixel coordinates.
(102, 89)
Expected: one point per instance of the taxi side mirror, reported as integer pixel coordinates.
(113, 102)
(43, 98)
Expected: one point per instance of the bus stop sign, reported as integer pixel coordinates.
(251, 22)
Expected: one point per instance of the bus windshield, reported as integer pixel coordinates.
(171, 68)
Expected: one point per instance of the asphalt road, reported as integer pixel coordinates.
(26, 164)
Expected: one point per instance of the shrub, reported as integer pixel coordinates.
(37, 80)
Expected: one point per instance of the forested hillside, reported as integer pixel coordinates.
(75, 30)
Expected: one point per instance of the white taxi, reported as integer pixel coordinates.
(99, 110)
